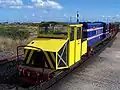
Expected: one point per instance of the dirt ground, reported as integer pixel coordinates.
(100, 73)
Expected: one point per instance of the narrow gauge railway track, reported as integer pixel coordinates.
(10, 70)
(5, 60)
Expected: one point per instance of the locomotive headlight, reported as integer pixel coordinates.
(23, 72)
(28, 74)
(20, 69)
(38, 50)
(38, 74)
(19, 72)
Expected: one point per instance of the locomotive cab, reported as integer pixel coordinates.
(56, 48)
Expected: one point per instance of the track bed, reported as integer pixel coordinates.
(99, 73)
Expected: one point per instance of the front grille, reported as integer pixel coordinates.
(42, 59)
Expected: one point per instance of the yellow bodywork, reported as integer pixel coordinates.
(76, 25)
(52, 45)
(51, 49)
(71, 53)
(77, 47)
(78, 50)
(84, 47)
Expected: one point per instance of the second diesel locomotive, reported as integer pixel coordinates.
(59, 47)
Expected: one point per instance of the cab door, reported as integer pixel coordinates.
(78, 44)
(71, 46)
(75, 44)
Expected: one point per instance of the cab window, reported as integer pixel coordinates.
(72, 34)
(79, 33)
(53, 31)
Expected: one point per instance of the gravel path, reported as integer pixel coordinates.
(100, 73)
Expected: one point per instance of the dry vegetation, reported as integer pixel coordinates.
(13, 36)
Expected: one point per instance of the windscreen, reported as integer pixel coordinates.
(53, 31)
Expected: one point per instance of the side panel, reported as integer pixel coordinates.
(78, 36)
(78, 50)
(75, 45)
(71, 53)
(62, 57)
(84, 47)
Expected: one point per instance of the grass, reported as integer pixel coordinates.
(13, 36)
(14, 32)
